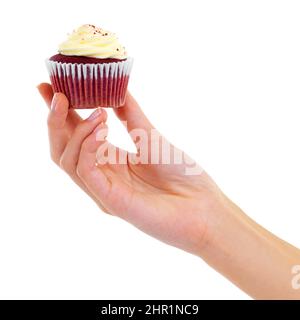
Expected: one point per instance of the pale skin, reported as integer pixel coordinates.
(187, 211)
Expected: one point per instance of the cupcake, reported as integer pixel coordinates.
(91, 68)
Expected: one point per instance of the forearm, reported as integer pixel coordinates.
(251, 257)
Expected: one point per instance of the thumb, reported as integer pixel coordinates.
(132, 114)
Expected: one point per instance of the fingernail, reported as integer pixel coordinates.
(95, 114)
(39, 90)
(54, 101)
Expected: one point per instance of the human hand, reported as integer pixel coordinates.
(186, 211)
(160, 199)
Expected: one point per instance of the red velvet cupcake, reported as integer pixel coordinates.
(92, 69)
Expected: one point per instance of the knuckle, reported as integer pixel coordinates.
(63, 163)
(80, 169)
(66, 165)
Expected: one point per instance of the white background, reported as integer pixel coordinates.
(221, 79)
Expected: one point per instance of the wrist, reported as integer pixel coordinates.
(214, 213)
(222, 222)
(248, 255)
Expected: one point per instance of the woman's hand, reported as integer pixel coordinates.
(160, 199)
(185, 210)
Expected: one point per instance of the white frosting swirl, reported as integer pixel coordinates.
(90, 41)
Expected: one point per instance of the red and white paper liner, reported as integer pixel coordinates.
(91, 85)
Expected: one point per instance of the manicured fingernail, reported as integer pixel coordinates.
(95, 114)
(54, 101)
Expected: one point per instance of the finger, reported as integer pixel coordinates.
(104, 181)
(46, 91)
(87, 169)
(132, 114)
(58, 136)
(69, 158)
(83, 163)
